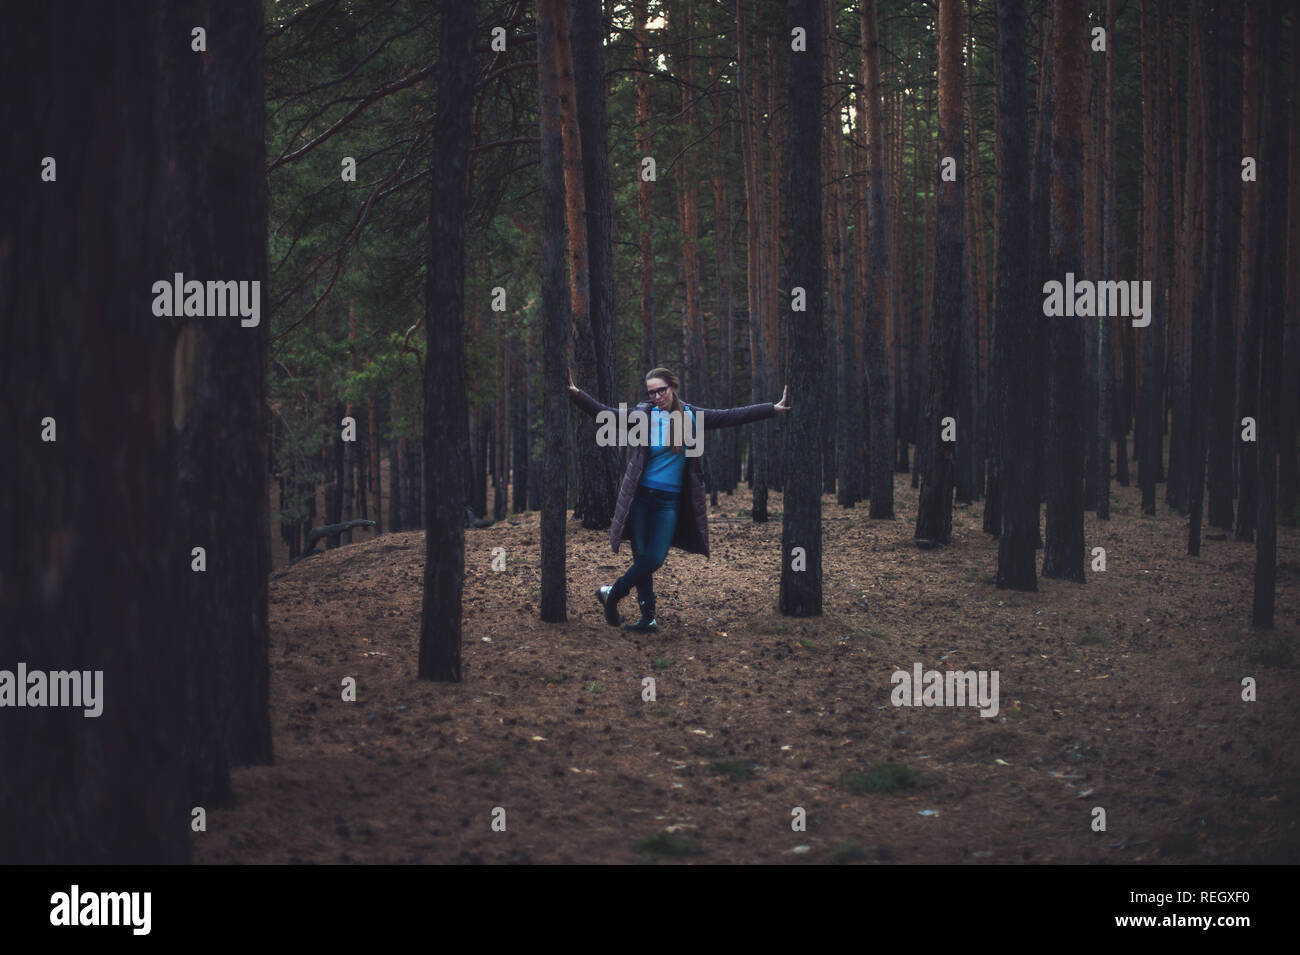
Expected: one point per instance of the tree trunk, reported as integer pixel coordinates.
(843, 347)
(1106, 326)
(755, 232)
(520, 440)
(1040, 192)
(1289, 411)
(483, 424)
(694, 368)
(446, 432)
(1015, 303)
(556, 320)
(837, 378)
(347, 486)
(396, 510)
(595, 497)
(1247, 287)
(160, 431)
(1150, 416)
(801, 527)
(968, 426)
(372, 438)
(645, 186)
(773, 250)
(880, 388)
(1270, 300)
(1223, 426)
(1202, 141)
(1064, 554)
(593, 125)
(934, 516)
(411, 463)
(501, 458)
(334, 480)
(726, 475)
(1091, 327)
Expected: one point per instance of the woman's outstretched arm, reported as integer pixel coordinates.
(731, 417)
(585, 401)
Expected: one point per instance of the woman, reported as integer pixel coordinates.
(650, 497)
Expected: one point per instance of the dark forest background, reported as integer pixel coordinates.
(448, 205)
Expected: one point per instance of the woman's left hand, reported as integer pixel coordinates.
(781, 405)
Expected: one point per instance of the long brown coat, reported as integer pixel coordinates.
(692, 534)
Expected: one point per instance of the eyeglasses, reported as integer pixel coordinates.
(656, 392)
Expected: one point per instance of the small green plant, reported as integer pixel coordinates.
(669, 844)
(883, 778)
(735, 768)
(1275, 651)
(1090, 637)
(487, 767)
(553, 678)
(847, 852)
(662, 663)
(596, 687)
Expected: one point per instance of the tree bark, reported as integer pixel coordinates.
(1014, 302)
(446, 430)
(801, 527)
(1064, 552)
(1270, 299)
(934, 516)
(556, 321)
(161, 430)
(645, 186)
(755, 264)
(727, 474)
(1109, 243)
(593, 125)
(1202, 140)
(880, 388)
(1247, 285)
(1150, 414)
(595, 496)
(1289, 410)
(1222, 397)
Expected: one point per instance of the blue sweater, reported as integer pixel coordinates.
(664, 469)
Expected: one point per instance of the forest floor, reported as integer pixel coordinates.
(1124, 693)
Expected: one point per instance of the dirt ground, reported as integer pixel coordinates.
(1124, 693)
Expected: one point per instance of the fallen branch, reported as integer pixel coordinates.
(329, 530)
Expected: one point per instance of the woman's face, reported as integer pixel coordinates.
(661, 396)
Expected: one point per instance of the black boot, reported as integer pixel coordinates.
(647, 623)
(607, 600)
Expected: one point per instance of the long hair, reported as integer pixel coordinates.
(676, 434)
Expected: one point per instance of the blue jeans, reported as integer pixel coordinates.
(653, 521)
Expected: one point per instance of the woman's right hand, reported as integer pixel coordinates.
(573, 389)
